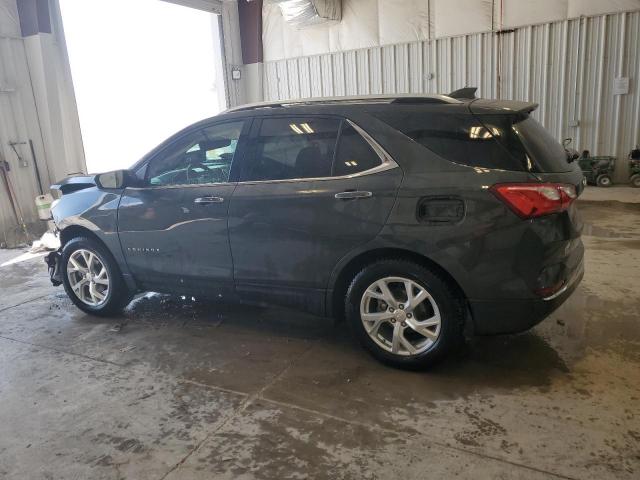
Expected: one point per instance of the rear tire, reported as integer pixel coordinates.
(98, 287)
(635, 180)
(604, 180)
(412, 334)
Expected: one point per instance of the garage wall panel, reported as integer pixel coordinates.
(568, 67)
(294, 75)
(456, 17)
(595, 7)
(416, 67)
(315, 73)
(375, 57)
(516, 13)
(326, 67)
(18, 123)
(337, 71)
(9, 22)
(413, 15)
(358, 27)
(351, 73)
(372, 23)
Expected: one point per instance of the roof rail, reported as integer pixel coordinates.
(400, 99)
(253, 106)
(418, 100)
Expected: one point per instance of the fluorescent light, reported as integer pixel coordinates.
(484, 133)
(295, 128)
(474, 132)
(306, 127)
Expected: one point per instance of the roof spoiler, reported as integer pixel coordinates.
(483, 105)
(466, 93)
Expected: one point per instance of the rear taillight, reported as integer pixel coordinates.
(529, 200)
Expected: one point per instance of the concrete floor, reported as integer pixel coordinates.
(180, 389)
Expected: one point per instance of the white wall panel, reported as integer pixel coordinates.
(36, 103)
(358, 27)
(568, 67)
(315, 72)
(18, 123)
(516, 13)
(411, 15)
(594, 7)
(9, 22)
(273, 31)
(455, 17)
(372, 23)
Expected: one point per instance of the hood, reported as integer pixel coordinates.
(75, 183)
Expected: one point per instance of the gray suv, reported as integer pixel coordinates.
(410, 217)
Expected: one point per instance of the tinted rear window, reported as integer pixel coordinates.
(547, 153)
(505, 142)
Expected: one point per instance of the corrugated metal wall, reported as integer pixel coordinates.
(37, 103)
(568, 67)
(18, 123)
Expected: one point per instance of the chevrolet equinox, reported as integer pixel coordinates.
(410, 217)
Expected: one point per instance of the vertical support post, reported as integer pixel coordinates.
(250, 21)
(48, 65)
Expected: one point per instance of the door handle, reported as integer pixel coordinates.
(352, 194)
(208, 200)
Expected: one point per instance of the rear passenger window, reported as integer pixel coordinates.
(354, 153)
(464, 139)
(293, 147)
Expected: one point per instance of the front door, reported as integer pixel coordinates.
(312, 189)
(173, 229)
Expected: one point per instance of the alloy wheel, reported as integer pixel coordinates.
(88, 277)
(400, 316)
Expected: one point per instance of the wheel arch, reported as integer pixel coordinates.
(74, 231)
(338, 289)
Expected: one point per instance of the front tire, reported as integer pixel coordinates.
(404, 314)
(635, 180)
(91, 277)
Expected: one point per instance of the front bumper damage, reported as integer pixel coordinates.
(53, 264)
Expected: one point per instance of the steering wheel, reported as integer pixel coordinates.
(192, 167)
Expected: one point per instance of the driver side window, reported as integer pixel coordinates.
(201, 157)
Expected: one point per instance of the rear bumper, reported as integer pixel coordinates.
(492, 317)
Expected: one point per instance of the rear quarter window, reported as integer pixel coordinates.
(354, 154)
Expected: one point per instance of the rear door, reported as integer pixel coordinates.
(173, 229)
(311, 190)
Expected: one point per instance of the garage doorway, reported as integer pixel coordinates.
(141, 71)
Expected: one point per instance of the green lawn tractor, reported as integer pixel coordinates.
(597, 170)
(634, 167)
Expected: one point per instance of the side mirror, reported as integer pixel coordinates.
(117, 179)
